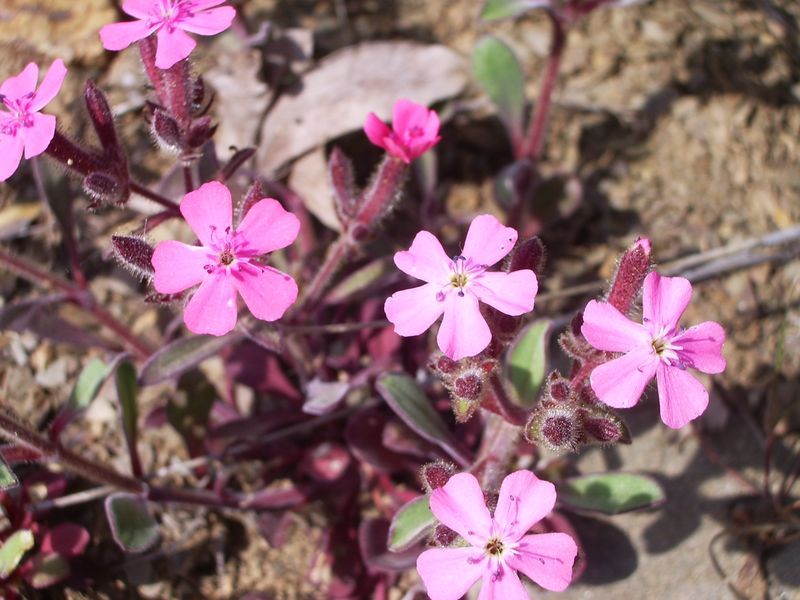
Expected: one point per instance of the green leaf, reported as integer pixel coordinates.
(48, 570)
(127, 392)
(7, 477)
(504, 9)
(527, 361)
(89, 382)
(133, 527)
(359, 281)
(410, 524)
(185, 354)
(497, 70)
(13, 549)
(610, 493)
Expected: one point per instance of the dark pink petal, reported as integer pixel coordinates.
(448, 573)
(431, 128)
(39, 135)
(464, 331)
(178, 266)
(606, 328)
(377, 131)
(21, 85)
(209, 22)
(407, 114)
(397, 149)
(50, 85)
(118, 36)
(413, 311)
(702, 347)
(208, 209)
(547, 559)
(524, 500)
(680, 395)
(664, 300)
(267, 226)
(460, 505)
(173, 46)
(488, 240)
(425, 259)
(10, 155)
(141, 9)
(503, 586)
(620, 382)
(66, 539)
(212, 309)
(266, 291)
(510, 293)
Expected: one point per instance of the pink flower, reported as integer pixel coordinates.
(226, 262)
(171, 19)
(415, 130)
(657, 347)
(22, 126)
(498, 544)
(455, 285)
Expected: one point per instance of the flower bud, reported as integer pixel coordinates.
(468, 386)
(340, 177)
(435, 474)
(200, 132)
(105, 188)
(557, 388)
(603, 427)
(443, 364)
(557, 428)
(529, 254)
(134, 253)
(443, 536)
(633, 267)
(103, 122)
(166, 130)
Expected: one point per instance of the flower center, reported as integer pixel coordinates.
(226, 251)
(19, 114)
(664, 348)
(462, 271)
(170, 12)
(494, 547)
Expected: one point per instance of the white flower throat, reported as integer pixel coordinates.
(462, 271)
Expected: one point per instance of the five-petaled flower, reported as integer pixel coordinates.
(415, 130)
(455, 285)
(498, 544)
(226, 261)
(657, 347)
(22, 126)
(171, 19)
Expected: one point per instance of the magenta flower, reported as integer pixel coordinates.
(171, 19)
(498, 544)
(415, 130)
(226, 262)
(455, 285)
(657, 347)
(22, 126)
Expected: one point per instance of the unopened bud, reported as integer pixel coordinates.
(200, 132)
(463, 409)
(253, 195)
(633, 267)
(105, 188)
(443, 364)
(443, 536)
(557, 388)
(529, 254)
(557, 428)
(102, 120)
(134, 253)
(198, 96)
(166, 130)
(435, 474)
(603, 427)
(340, 177)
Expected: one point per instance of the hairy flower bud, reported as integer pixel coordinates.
(340, 177)
(105, 188)
(134, 253)
(103, 122)
(557, 428)
(166, 130)
(633, 267)
(529, 254)
(603, 427)
(435, 474)
(443, 364)
(443, 536)
(200, 132)
(557, 388)
(468, 386)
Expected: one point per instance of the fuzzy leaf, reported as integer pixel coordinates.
(7, 477)
(182, 355)
(127, 391)
(48, 570)
(13, 549)
(412, 522)
(89, 382)
(494, 10)
(610, 493)
(497, 71)
(133, 527)
(527, 361)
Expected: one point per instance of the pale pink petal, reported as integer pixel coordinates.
(208, 209)
(432, 125)
(510, 293)
(267, 226)
(425, 259)
(10, 155)
(448, 573)
(701, 347)
(377, 131)
(547, 559)
(21, 85)
(141, 9)
(50, 85)
(179, 266)
(39, 135)
(464, 331)
(459, 505)
(407, 114)
(681, 396)
(118, 36)
(502, 585)
(209, 22)
(488, 240)
(664, 300)
(212, 309)
(523, 501)
(173, 46)
(413, 311)
(266, 291)
(620, 382)
(605, 328)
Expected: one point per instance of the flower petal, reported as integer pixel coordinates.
(665, 299)
(141, 9)
(425, 259)
(702, 347)
(503, 584)
(413, 311)
(510, 293)
(464, 331)
(524, 500)
(620, 382)
(178, 266)
(407, 114)
(10, 154)
(377, 131)
(204, 4)
(448, 573)
(267, 226)
(547, 559)
(21, 85)
(174, 45)
(212, 309)
(209, 22)
(39, 135)
(459, 504)
(488, 240)
(118, 36)
(605, 328)
(681, 396)
(50, 85)
(267, 292)
(207, 209)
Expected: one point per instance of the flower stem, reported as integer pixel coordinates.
(503, 405)
(74, 156)
(337, 255)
